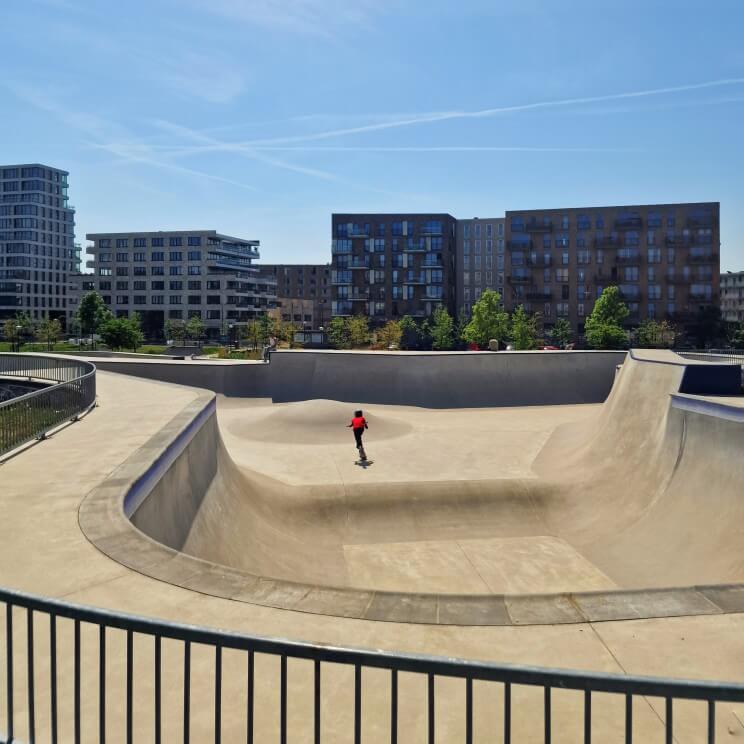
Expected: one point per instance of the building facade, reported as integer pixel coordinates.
(37, 234)
(479, 261)
(303, 292)
(177, 275)
(386, 266)
(732, 296)
(665, 259)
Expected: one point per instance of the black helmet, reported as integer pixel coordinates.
(357, 413)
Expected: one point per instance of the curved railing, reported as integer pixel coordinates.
(136, 671)
(71, 391)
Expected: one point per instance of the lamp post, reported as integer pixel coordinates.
(230, 334)
(18, 330)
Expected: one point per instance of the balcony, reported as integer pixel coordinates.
(358, 263)
(677, 240)
(359, 295)
(628, 258)
(337, 250)
(519, 245)
(543, 262)
(419, 247)
(520, 278)
(228, 249)
(678, 280)
(415, 279)
(433, 264)
(535, 226)
(703, 221)
(607, 242)
(226, 263)
(540, 295)
(627, 297)
(604, 280)
(629, 223)
(432, 231)
(701, 296)
(703, 258)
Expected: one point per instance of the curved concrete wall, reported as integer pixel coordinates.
(432, 380)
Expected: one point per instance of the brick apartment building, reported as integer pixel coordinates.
(386, 266)
(303, 292)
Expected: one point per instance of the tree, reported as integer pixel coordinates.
(488, 320)
(737, 336)
(195, 328)
(562, 332)
(651, 333)
(175, 330)
(409, 330)
(49, 332)
(265, 329)
(523, 330)
(15, 328)
(604, 327)
(338, 333)
(358, 328)
(707, 326)
(442, 330)
(92, 313)
(460, 323)
(122, 333)
(390, 334)
(252, 333)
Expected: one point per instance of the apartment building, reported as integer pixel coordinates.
(303, 292)
(386, 266)
(480, 260)
(176, 275)
(37, 233)
(663, 257)
(732, 296)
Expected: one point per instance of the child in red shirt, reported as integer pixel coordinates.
(358, 425)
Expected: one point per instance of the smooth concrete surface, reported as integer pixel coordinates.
(427, 379)
(43, 488)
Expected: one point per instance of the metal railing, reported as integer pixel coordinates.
(44, 662)
(71, 392)
(718, 356)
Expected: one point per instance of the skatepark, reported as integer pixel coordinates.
(593, 524)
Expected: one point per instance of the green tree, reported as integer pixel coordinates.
(195, 328)
(49, 332)
(175, 330)
(604, 327)
(17, 327)
(652, 333)
(410, 336)
(265, 329)
(390, 334)
(488, 320)
(562, 333)
(523, 330)
(460, 323)
(442, 330)
(338, 333)
(252, 333)
(707, 327)
(92, 313)
(358, 328)
(122, 333)
(737, 336)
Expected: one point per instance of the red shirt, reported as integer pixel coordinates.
(358, 422)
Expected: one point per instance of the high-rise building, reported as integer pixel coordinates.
(176, 275)
(663, 257)
(386, 266)
(732, 296)
(480, 259)
(37, 233)
(303, 292)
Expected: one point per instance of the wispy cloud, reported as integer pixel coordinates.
(317, 17)
(103, 131)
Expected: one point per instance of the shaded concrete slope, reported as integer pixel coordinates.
(641, 495)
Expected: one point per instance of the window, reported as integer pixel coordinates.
(122, 242)
(103, 286)
(174, 300)
(630, 273)
(583, 258)
(104, 258)
(654, 255)
(213, 299)
(140, 242)
(561, 275)
(194, 240)
(140, 285)
(175, 256)
(157, 242)
(104, 272)
(565, 258)
(213, 314)
(156, 300)
(561, 309)
(157, 270)
(651, 273)
(466, 231)
(122, 257)
(122, 299)
(212, 284)
(564, 222)
(489, 230)
(194, 286)
(194, 255)
(175, 285)
(195, 300)
(599, 222)
(654, 291)
(477, 247)
(157, 256)
(175, 243)
(583, 222)
(122, 271)
(580, 310)
(194, 270)
(140, 299)
(670, 255)
(175, 270)
(139, 257)
(477, 277)
(477, 230)
(122, 286)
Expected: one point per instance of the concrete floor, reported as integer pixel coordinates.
(43, 551)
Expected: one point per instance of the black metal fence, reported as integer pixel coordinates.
(65, 675)
(719, 356)
(72, 391)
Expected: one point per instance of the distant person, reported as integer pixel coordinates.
(358, 425)
(271, 346)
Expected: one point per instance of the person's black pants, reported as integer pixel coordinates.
(358, 436)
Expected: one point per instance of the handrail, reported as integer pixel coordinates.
(29, 654)
(26, 417)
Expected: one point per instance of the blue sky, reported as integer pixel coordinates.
(260, 118)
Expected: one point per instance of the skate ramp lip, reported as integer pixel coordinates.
(316, 421)
(103, 521)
